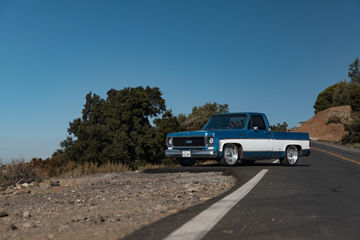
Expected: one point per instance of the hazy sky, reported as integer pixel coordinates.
(266, 56)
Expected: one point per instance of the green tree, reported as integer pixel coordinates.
(325, 99)
(200, 114)
(354, 71)
(355, 99)
(166, 124)
(279, 127)
(353, 129)
(118, 128)
(342, 92)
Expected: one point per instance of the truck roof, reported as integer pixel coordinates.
(247, 113)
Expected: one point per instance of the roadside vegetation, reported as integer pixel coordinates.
(124, 131)
(280, 127)
(346, 92)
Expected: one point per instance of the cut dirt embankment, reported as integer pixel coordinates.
(327, 125)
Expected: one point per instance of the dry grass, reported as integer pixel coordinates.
(18, 172)
(92, 168)
(354, 145)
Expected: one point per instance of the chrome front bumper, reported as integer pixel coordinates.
(194, 153)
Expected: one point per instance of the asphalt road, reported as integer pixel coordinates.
(317, 199)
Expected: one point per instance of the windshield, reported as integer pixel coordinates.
(233, 121)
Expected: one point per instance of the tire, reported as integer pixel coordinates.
(230, 155)
(186, 162)
(291, 156)
(248, 162)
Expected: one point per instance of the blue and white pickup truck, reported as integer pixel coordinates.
(231, 137)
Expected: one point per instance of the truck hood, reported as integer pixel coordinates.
(192, 133)
(213, 132)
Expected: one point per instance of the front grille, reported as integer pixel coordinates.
(189, 142)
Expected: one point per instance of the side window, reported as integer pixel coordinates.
(257, 121)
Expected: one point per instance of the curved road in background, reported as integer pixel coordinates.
(318, 199)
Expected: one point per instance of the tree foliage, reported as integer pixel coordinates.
(355, 99)
(279, 127)
(200, 114)
(340, 94)
(353, 130)
(325, 99)
(118, 129)
(354, 71)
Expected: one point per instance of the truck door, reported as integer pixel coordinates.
(258, 144)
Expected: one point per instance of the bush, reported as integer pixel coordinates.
(18, 172)
(279, 127)
(355, 99)
(333, 119)
(353, 129)
(200, 115)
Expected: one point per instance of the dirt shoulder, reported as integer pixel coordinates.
(106, 206)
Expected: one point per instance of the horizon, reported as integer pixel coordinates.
(254, 56)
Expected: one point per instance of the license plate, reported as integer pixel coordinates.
(186, 154)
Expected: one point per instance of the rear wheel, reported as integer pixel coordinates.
(186, 162)
(291, 156)
(230, 155)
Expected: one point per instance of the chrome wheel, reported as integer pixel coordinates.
(231, 155)
(291, 155)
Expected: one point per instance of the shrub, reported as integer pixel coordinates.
(334, 119)
(18, 172)
(355, 99)
(353, 129)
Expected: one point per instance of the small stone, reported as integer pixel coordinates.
(3, 213)
(26, 185)
(28, 225)
(27, 214)
(54, 183)
(13, 227)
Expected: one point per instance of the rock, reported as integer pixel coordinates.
(28, 225)
(25, 185)
(3, 213)
(54, 183)
(13, 227)
(26, 214)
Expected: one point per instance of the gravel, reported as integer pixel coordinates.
(103, 206)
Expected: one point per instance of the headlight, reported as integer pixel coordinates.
(170, 141)
(211, 140)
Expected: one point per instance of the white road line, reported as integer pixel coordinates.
(198, 226)
(276, 161)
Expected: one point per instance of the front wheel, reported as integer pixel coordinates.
(230, 155)
(291, 156)
(186, 162)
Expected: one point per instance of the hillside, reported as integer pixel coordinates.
(327, 125)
